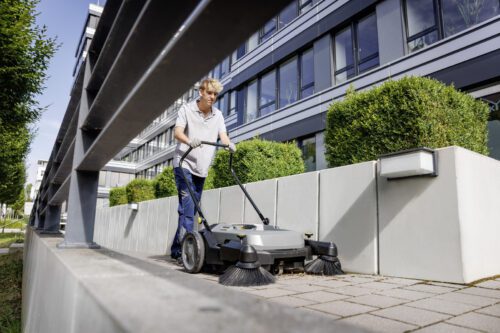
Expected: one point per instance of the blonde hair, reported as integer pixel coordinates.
(211, 84)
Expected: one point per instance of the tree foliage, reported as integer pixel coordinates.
(397, 115)
(25, 53)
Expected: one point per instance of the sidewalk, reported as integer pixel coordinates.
(385, 304)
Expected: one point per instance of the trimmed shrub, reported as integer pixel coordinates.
(140, 190)
(117, 196)
(397, 115)
(256, 160)
(164, 183)
(209, 181)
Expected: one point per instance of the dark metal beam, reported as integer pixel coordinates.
(201, 43)
(101, 57)
(155, 26)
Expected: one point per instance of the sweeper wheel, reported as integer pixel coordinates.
(193, 252)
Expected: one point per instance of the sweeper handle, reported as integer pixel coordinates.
(196, 203)
(264, 220)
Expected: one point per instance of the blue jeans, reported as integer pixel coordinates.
(187, 208)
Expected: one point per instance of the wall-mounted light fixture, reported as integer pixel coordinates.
(409, 163)
(134, 206)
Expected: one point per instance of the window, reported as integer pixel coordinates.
(288, 82)
(287, 15)
(308, 148)
(251, 102)
(268, 29)
(232, 102)
(224, 67)
(428, 21)
(356, 49)
(267, 93)
(307, 74)
(222, 104)
(241, 51)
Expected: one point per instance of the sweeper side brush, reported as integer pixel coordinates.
(247, 272)
(325, 264)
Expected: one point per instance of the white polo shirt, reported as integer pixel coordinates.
(196, 125)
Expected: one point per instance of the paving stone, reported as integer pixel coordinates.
(444, 328)
(477, 321)
(378, 285)
(360, 278)
(332, 283)
(292, 301)
(354, 290)
(271, 292)
(342, 308)
(481, 292)
(411, 315)
(400, 281)
(378, 301)
(405, 294)
(427, 288)
(377, 324)
(321, 296)
(467, 299)
(493, 310)
(491, 284)
(449, 285)
(439, 305)
(303, 288)
(4, 251)
(323, 314)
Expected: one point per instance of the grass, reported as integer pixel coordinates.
(13, 224)
(8, 238)
(11, 270)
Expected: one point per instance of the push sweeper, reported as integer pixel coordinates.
(251, 254)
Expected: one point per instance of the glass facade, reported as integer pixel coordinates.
(356, 48)
(289, 82)
(267, 93)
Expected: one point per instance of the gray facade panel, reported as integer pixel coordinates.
(307, 126)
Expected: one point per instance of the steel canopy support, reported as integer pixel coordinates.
(82, 196)
(52, 220)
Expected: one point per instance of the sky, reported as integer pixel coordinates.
(64, 19)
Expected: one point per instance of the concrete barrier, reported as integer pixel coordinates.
(444, 228)
(438, 228)
(297, 203)
(348, 215)
(100, 290)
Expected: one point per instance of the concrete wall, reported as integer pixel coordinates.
(445, 228)
(346, 214)
(100, 290)
(441, 228)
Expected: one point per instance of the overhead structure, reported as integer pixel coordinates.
(144, 55)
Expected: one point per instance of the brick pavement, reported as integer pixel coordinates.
(386, 304)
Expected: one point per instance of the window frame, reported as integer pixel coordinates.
(353, 27)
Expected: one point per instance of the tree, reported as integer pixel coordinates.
(25, 53)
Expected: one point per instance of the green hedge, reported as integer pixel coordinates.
(117, 196)
(256, 160)
(165, 183)
(209, 181)
(397, 115)
(140, 190)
